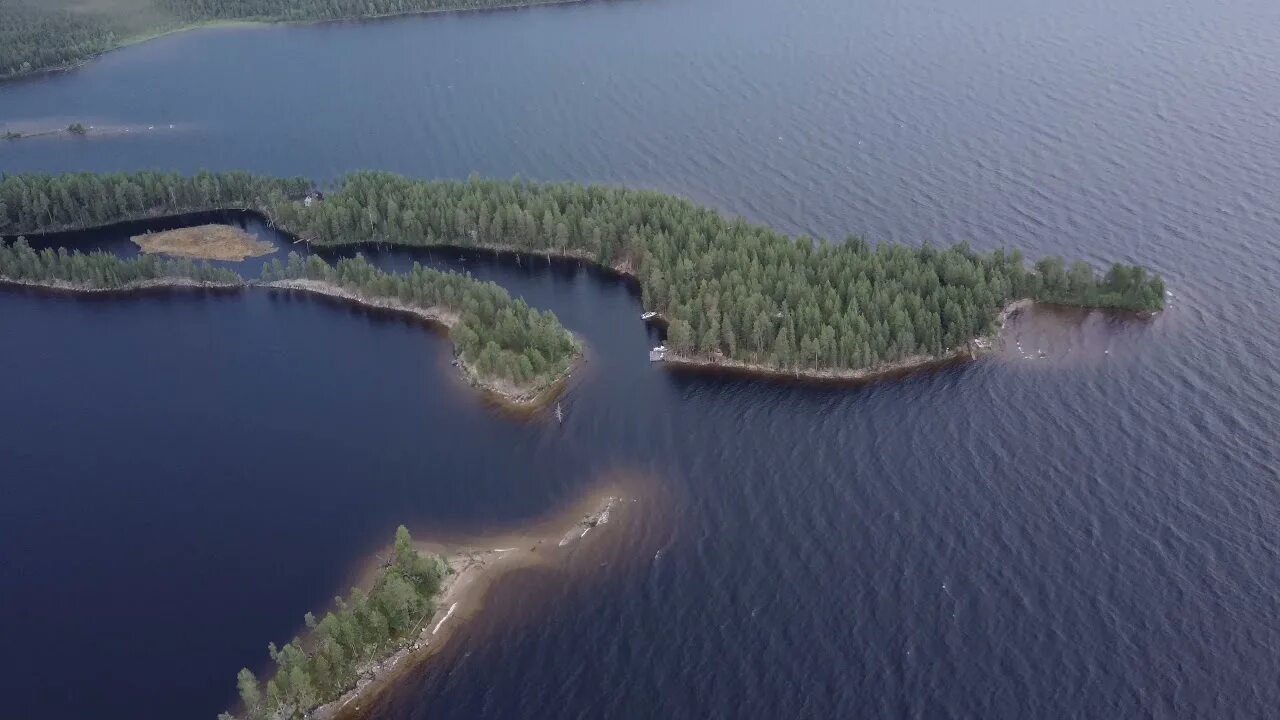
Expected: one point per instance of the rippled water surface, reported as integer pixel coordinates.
(1085, 526)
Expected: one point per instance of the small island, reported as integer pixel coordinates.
(403, 615)
(204, 242)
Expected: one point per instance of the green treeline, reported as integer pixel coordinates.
(498, 336)
(303, 10)
(43, 203)
(729, 288)
(99, 271)
(362, 627)
(38, 35)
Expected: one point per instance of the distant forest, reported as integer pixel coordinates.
(39, 35)
(729, 288)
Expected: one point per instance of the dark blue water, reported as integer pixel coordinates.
(1092, 535)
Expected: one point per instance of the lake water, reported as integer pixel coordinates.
(1094, 534)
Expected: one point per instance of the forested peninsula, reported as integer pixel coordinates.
(502, 345)
(337, 649)
(42, 35)
(734, 293)
(369, 638)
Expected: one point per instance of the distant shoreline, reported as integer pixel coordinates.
(133, 41)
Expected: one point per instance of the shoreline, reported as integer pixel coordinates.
(171, 283)
(726, 366)
(971, 350)
(123, 44)
(528, 401)
(505, 393)
(476, 564)
(509, 396)
(624, 270)
(149, 216)
(263, 23)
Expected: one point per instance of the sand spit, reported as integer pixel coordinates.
(476, 564)
(1045, 335)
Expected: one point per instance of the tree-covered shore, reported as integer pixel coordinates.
(504, 346)
(731, 290)
(69, 270)
(361, 628)
(502, 343)
(42, 35)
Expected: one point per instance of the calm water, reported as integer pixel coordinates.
(1092, 535)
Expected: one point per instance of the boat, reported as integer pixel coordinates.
(649, 315)
(658, 354)
(559, 414)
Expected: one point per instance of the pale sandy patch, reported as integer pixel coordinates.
(204, 242)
